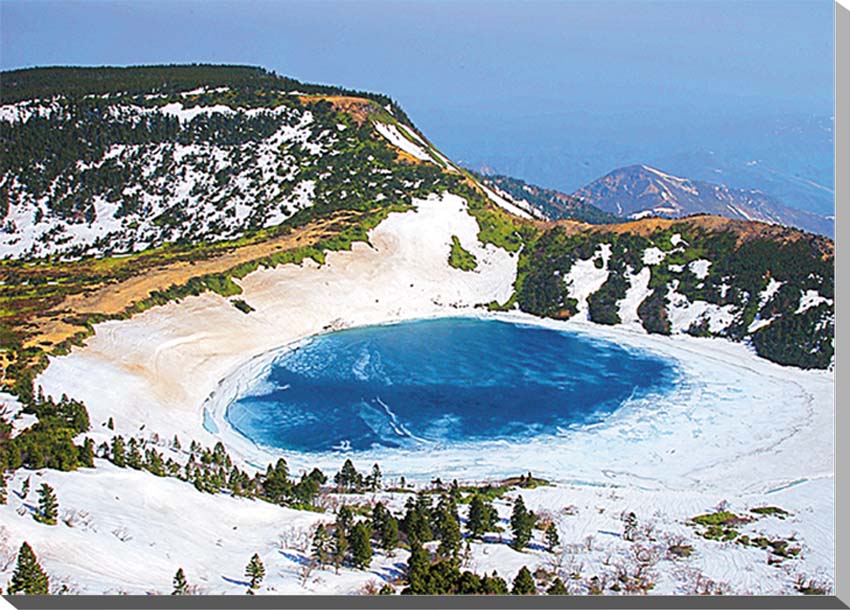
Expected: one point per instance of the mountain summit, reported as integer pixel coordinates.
(638, 191)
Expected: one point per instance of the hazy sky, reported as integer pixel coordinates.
(479, 75)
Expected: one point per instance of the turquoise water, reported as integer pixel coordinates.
(439, 382)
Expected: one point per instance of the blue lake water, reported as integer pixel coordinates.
(439, 382)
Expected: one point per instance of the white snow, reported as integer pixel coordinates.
(731, 426)
(682, 313)
(637, 291)
(585, 278)
(653, 256)
(391, 133)
(700, 268)
(773, 285)
(504, 202)
(811, 298)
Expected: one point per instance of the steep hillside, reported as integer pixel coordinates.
(131, 187)
(553, 204)
(639, 190)
(706, 276)
(121, 171)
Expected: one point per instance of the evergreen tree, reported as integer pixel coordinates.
(321, 549)
(118, 457)
(3, 488)
(524, 583)
(277, 484)
(389, 536)
(379, 518)
(48, 507)
(181, 587)
(86, 457)
(552, 538)
(375, 478)
(344, 519)
(28, 578)
(494, 585)
(557, 588)
(110, 424)
(418, 566)
(340, 547)
(347, 478)
(482, 517)
(256, 571)
(630, 527)
(522, 523)
(361, 546)
(25, 488)
(416, 522)
(450, 536)
(175, 444)
(134, 455)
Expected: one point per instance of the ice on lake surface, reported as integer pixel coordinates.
(435, 383)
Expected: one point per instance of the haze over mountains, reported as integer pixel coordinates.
(640, 190)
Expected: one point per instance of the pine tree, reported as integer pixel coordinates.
(340, 547)
(482, 517)
(450, 536)
(375, 478)
(48, 507)
(630, 527)
(344, 519)
(557, 588)
(28, 578)
(86, 457)
(361, 547)
(347, 478)
(181, 587)
(134, 455)
(524, 583)
(118, 456)
(110, 424)
(552, 538)
(389, 536)
(321, 549)
(175, 444)
(494, 585)
(417, 569)
(256, 571)
(521, 524)
(379, 518)
(3, 488)
(25, 488)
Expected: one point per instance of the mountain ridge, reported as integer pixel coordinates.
(642, 190)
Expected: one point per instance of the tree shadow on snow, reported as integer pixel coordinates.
(233, 581)
(390, 574)
(301, 560)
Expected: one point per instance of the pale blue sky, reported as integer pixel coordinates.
(490, 81)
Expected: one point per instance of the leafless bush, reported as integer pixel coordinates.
(694, 582)
(8, 554)
(64, 586)
(295, 538)
(122, 534)
(812, 586)
(74, 518)
(373, 587)
(305, 571)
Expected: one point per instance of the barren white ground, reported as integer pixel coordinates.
(735, 428)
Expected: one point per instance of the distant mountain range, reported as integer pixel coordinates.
(551, 203)
(638, 191)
